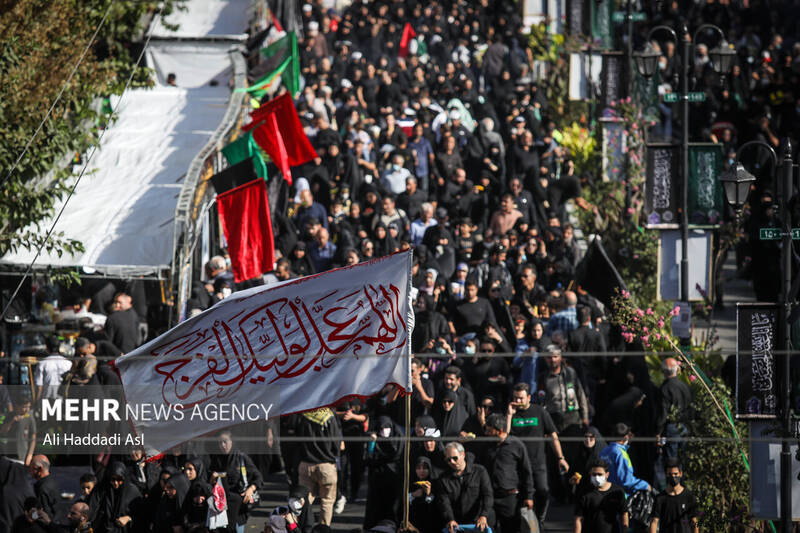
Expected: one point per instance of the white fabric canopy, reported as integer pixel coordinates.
(210, 18)
(123, 209)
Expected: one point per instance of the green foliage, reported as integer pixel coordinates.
(715, 470)
(41, 42)
(554, 50)
(581, 146)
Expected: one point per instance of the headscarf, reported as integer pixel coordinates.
(450, 422)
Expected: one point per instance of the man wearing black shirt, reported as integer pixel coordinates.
(674, 393)
(528, 420)
(602, 509)
(510, 472)
(122, 325)
(675, 509)
(473, 311)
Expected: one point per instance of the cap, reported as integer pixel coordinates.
(441, 212)
(519, 119)
(307, 7)
(355, 56)
(499, 249)
(346, 84)
(393, 225)
(313, 25)
(277, 524)
(410, 112)
(462, 267)
(454, 114)
(301, 245)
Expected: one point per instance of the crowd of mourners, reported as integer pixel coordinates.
(522, 393)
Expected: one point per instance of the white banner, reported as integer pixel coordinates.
(309, 342)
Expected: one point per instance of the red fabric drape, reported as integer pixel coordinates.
(408, 34)
(277, 129)
(247, 225)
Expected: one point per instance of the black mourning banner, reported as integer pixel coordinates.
(613, 78)
(757, 333)
(597, 275)
(660, 188)
(234, 176)
(578, 17)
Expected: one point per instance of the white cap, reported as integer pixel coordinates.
(301, 184)
(355, 56)
(313, 26)
(454, 114)
(346, 83)
(307, 7)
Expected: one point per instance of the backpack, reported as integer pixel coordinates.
(640, 506)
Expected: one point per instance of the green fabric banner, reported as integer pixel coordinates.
(242, 148)
(705, 190)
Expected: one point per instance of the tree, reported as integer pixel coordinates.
(715, 469)
(41, 43)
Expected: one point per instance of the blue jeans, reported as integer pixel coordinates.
(239, 528)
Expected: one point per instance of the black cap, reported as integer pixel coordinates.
(498, 249)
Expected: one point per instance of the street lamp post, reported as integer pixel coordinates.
(647, 63)
(736, 183)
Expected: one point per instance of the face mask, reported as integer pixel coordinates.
(395, 167)
(295, 505)
(598, 481)
(469, 349)
(385, 432)
(226, 292)
(673, 481)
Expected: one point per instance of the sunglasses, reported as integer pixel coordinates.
(486, 406)
(453, 459)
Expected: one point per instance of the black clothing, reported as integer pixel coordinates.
(674, 393)
(450, 422)
(122, 328)
(469, 316)
(170, 510)
(48, 493)
(675, 512)
(235, 464)
(385, 462)
(509, 468)
(466, 497)
(600, 510)
(14, 488)
(317, 450)
(106, 503)
(533, 422)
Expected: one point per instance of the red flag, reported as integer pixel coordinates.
(408, 34)
(277, 129)
(246, 221)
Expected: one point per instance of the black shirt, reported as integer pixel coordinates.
(509, 468)
(470, 315)
(675, 512)
(533, 422)
(600, 510)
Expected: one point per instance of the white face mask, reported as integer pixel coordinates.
(295, 505)
(226, 292)
(598, 481)
(385, 432)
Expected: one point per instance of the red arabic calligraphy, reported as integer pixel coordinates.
(281, 339)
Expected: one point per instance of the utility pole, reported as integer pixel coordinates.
(686, 50)
(786, 336)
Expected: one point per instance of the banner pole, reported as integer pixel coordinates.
(407, 466)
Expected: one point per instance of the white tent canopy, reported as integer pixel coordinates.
(123, 208)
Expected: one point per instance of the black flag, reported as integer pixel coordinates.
(234, 176)
(597, 275)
